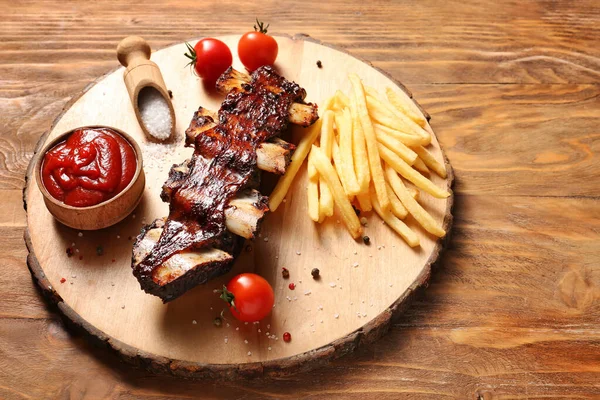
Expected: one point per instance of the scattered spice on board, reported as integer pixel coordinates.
(81, 257)
(100, 250)
(217, 321)
(287, 337)
(366, 239)
(292, 286)
(319, 64)
(315, 273)
(62, 280)
(70, 252)
(285, 273)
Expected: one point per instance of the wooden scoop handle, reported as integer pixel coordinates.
(133, 50)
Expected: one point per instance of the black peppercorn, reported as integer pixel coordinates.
(315, 273)
(170, 94)
(99, 250)
(285, 273)
(366, 239)
(319, 64)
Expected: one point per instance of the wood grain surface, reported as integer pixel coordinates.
(513, 90)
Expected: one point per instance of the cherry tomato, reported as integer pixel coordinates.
(210, 58)
(250, 297)
(256, 49)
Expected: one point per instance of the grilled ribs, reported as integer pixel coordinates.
(213, 201)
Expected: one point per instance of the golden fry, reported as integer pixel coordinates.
(414, 208)
(371, 140)
(408, 139)
(400, 227)
(337, 163)
(398, 147)
(410, 174)
(408, 107)
(342, 99)
(390, 117)
(430, 161)
(364, 202)
(359, 150)
(327, 137)
(298, 157)
(420, 166)
(343, 122)
(313, 192)
(396, 205)
(326, 171)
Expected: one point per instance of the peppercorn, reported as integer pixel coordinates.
(287, 337)
(248, 248)
(217, 321)
(285, 273)
(170, 94)
(319, 64)
(99, 250)
(366, 239)
(356, 210)
(292, 286)
(62, 280)
(69, 251)
(315, 273)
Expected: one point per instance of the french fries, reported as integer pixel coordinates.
(420, 166)
(368, 144)
(326, 171)
(406, 138)
(430, 161)
(400, 227)
(343, 121)
(396, 205)
(399, 148)
(312, 189)
(410, 174)
(415, 209)
(359, 151)
(327, 137)
(298, 157)
(409, 108)
(371, 139)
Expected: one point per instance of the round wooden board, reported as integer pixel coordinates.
(327, 318)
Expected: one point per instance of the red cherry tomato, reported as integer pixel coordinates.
(256, 49)
(210, 58)
(250, 297)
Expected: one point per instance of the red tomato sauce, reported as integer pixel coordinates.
(91, 166)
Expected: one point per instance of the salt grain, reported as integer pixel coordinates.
(336, 316)
(332, 284)
(298, 253)
(269, 348)
(249, 353)
(307, 292)
(237, 329)
(245, 341)
(194, 322)
(226, 340)
(80, 234)
(266, 239)
(155, 113)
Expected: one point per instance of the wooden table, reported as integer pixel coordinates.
(513, 309)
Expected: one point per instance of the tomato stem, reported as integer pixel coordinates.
(261, 27)
(228, 297)
(192, 55)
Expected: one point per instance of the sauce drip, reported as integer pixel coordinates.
(91, 166)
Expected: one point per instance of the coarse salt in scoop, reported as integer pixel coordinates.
(146, 88)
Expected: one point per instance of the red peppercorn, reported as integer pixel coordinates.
(287, 337)
(285, 273)
(292, 286)
(62, 280)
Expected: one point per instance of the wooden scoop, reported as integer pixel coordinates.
(147, 89)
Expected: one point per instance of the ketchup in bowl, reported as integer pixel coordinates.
(91, 166)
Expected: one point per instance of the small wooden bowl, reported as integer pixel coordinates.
(101, 215)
